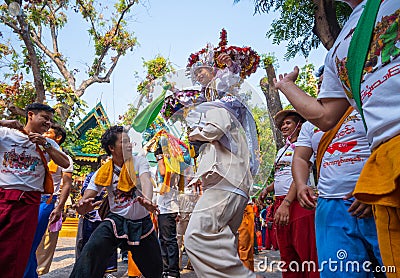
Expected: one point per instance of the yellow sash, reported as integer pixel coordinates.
(127, 177)
(379, 182)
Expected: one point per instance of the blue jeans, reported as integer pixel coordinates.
(344, 239)
(169, 243)
(44, 214)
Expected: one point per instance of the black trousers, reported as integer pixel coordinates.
(169, 243)
(101, 245)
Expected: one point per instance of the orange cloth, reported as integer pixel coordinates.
(327, 138)
(133, 270)
(379, 180)
(48, 184)
(387, 221)
(246, 238)
(127, 177)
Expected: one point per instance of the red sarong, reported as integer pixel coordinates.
(297, 241)
(18, 220)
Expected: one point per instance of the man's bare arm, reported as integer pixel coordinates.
(323, 113)
(301, 174)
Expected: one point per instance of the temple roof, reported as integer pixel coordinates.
(97, 116)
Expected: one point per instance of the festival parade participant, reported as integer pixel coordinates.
(50, 212)
(128, 224)
(24, 176)
(361, 70)
(295, 229)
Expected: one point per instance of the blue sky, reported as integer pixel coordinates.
(174, 29)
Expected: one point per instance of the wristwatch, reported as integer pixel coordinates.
(47, 145)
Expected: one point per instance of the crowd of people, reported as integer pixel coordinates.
(334, 195)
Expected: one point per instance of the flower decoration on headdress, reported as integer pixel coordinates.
(177, 101)
(247, 58)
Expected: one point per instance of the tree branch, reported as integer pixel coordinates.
(326, 26)
(96, 79)
(10, 24)
(55, 57)
(273, 102)
(107, 47)
(53, 29)
(33, 59)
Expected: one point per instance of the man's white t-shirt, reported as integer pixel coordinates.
(345, 156)
(57, 176)
(20, 164)
(168, 201)
(124, 203)
(283, 170)
(380, 85)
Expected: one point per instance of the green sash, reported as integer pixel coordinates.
(358, 50)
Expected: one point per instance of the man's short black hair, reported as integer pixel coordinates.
(37, 107)
(59, 130)
(110, 137)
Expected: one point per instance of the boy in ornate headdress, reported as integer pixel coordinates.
(225, 169)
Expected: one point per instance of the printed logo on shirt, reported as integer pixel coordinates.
(316, 129)
(289, 153)
(123, 199)
(384, 48)
(342, 147)
(281, 165)
(23, 161)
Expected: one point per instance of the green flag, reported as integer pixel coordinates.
(149, 114)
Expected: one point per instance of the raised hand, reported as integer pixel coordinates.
(225, 59)
(290, 77)
(11, 124)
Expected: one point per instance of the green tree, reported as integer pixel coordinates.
(35, 53)
(304, 24)
(266, 142)
(156, 69)
(307, 82)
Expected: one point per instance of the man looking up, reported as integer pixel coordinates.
(23, 177)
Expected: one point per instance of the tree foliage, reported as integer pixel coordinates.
(156, 69)
(304, 24)
(266, 142)
(35, 53)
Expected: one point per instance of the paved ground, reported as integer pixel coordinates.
(64, 259)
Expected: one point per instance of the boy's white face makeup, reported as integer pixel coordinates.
(204, 75)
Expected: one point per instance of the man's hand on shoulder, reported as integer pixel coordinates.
(11, 124)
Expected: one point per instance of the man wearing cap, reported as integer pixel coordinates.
(294, 224)
(379, 180)
(226, 173)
